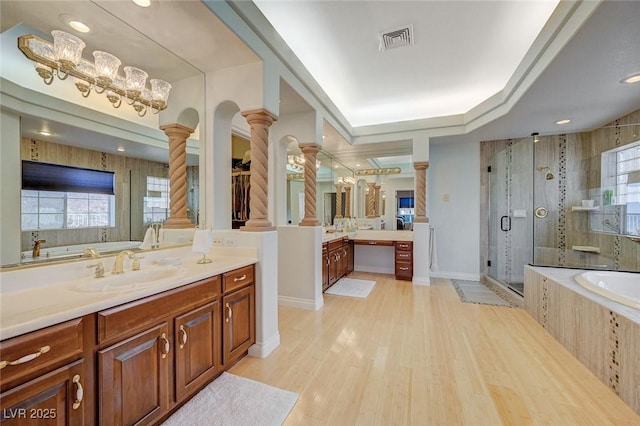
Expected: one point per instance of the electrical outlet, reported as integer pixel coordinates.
(231, 242)
(218, 242)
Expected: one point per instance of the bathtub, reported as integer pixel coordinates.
(621, 287)
(61, 252)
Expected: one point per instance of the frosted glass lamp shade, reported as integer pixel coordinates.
(159, 91)
(68, 48)
(106, 66)
(136, 79)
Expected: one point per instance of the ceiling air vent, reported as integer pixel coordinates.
(397, 37)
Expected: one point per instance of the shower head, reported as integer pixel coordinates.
(549, 175)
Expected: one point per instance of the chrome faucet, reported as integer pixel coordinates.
(36, 248)
(91, 252)
(119, 262)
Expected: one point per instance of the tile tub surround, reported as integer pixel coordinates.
(35, 297)
(602, 334)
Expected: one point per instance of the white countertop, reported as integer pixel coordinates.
(370, 234)
(34, 305)
(565, 277)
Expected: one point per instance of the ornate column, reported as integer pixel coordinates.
(421, 191)
(310, 214)
(178, 135)
(347, 208)
(259, 120)
(339, 187)
(371, 200)
(377, 202)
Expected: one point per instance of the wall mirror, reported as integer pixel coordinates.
(58, 125)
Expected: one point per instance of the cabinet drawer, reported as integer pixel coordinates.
(33, 354)
(404, 246)
(373, 243)
(335, 244)
(405, 256)
(125, 320)
(404, 270)
(237, 279)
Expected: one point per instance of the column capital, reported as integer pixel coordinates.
(311, 147)
(420, 165)
(259, 115)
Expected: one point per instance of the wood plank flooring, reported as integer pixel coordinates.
(413, 355)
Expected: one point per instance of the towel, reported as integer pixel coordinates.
(149, 239)
(202, 241)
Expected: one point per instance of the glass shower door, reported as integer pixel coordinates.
(510, 214)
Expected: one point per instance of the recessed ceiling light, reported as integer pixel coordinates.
(336, 166)
(142, 3)
(634, 78)
(45, 133)
(563, 121)
(79, 26)
(357, 165)
(120, 149)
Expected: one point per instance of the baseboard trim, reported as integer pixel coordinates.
(421, 280)
(295, 302)
(263, 349)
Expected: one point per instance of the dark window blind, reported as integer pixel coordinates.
(55, 177)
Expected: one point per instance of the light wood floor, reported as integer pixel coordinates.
(417, 355)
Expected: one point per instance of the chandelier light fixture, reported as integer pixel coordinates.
(63, 58)
(296, 163)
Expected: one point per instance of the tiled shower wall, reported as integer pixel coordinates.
(125, 185)
(574, 159)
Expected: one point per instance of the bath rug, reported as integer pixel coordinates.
(351, 287)
(476, 292)
(233, 400)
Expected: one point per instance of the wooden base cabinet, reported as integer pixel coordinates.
(197, 334)
(145, 358)
(134, 378)
(55, 398)
(404, 260)
(239, 331)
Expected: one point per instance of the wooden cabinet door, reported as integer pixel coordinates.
(325, 271)
(350, 258)
(333, 266)
(56, 398)
(198, 348)
(133, 378)
(239, 323)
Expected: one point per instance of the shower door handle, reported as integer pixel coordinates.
(505, 225)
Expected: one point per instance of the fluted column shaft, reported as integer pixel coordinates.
(371, 200)
(310, 173)
(421, 191)
(376, 210)
(178, 135)
(347, 208)
(259, 121)
(339, 187)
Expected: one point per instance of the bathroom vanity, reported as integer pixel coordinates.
(130, 356)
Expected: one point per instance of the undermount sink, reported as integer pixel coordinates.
(128, 281)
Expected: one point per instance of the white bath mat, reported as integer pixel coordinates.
(233, 400)
(351, 287)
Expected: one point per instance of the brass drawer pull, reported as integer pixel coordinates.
(403, 268)
(79, 392)
(373, 243)
(26, 358)
(167, 345)
(243, 277)
(229, 313)
(183, 333)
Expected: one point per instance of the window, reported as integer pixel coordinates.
(66, 210)
(621, 188)
(156, 202)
